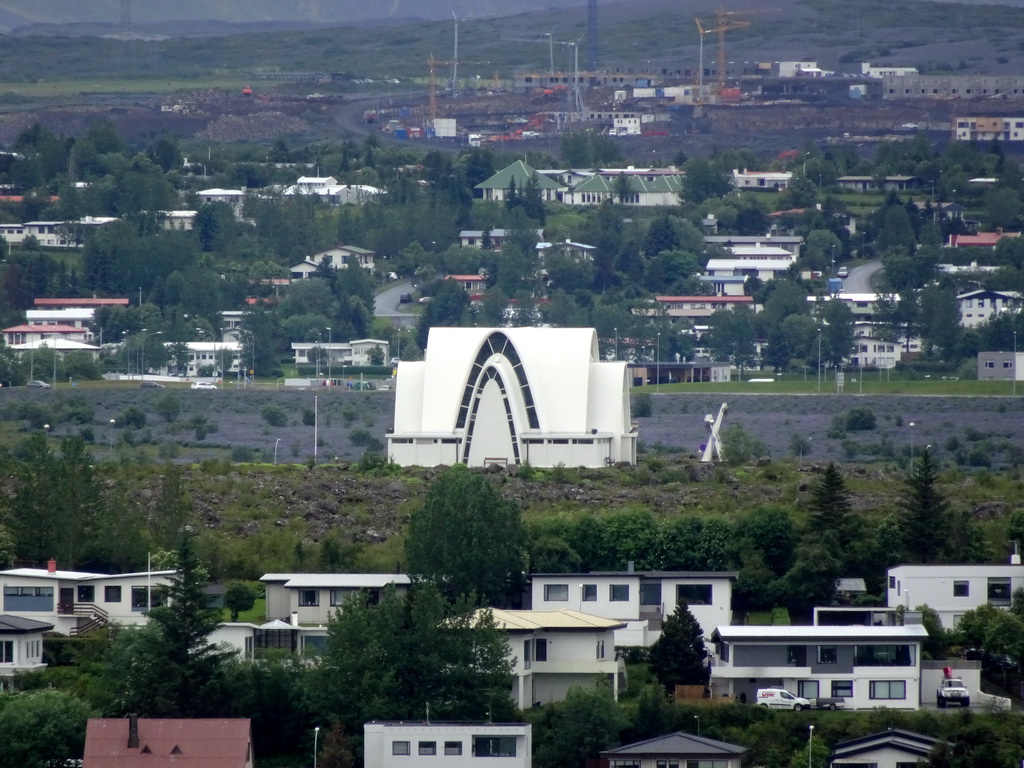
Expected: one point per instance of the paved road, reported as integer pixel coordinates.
(861, 279)
(387, 304)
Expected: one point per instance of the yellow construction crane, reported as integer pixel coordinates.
(725, 21)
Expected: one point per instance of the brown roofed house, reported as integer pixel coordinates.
(135, 742)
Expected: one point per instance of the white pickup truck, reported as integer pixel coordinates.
(952, 691)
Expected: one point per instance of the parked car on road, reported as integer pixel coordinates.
(405, 298)
(151, 385)
(37, 384)
(203, 385)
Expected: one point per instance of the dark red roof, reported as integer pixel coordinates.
(81, 302)
(166, 743)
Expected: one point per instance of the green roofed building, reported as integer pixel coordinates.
(626, 189)
(496, 187)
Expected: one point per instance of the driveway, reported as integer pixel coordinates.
(861, 279)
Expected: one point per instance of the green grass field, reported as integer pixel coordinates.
(65, 88)
(794, 384)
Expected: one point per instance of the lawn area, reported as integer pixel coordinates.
(62, 88)
(794, 384)
(257, 615)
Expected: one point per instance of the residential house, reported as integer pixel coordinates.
(312, 598)
(870, 350)
(675, 750)
(726, 285)
(447, 745)
(862, 305)
(492, 239)
(474, 284)
(577, 251)
(93, 303)
(790, 243)
(701, 307)
(871, 183)
(894, 748)
(205, 358)
(555, 650)
(1000, 366)
(632, 189)
(941, 211)
(249, 640)
(134, 741)
(21, 645)
(45, 335)
(642, 599)
(980, 239)
(340, 353)
(338, 257)
(763, 269)
(952, 590)
(331, 192)
(181, 221)
(522, 175)
(233, 197)
(76, 317)
(989, 129)
(867, 666)
(76, 601)
(976, 307)
(869, 70)
(774, 180)
(231, 325)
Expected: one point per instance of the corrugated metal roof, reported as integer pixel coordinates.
(679, 743)
(201, 743)
(564, 619)
(776, 633)
(337, 580)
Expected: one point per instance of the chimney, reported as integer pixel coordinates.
(629, 567)
(133, 731)
(51, 566)
(295, 618)
(1015, 557)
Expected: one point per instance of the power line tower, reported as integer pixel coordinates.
(591, 35)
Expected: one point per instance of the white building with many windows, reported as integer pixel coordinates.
(312, 598)
(447, 745)
(866, 666)
(952, 590)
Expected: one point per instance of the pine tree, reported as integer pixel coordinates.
(677, 658)
(926, 512)
(830, 507)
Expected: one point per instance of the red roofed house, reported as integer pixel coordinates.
(701, 307)
(980, 240)
(133, 742)
(472, 283)
(27, 334)
(89, 302)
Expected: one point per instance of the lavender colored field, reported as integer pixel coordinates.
(973, 431)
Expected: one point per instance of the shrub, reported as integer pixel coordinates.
(275, 416)
(739, 446)
(860, 419)
(168, 406)
(243, 454)
(642, 405)
(360, 437)
(132, 416)
(308, 417)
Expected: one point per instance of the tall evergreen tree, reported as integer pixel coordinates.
(677, 658)
(830, 506)
(925, 512)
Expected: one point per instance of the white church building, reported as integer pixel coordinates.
(538, 396)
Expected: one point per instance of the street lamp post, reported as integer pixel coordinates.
(316, 735)
(111, 435)
(276, 443)
(616, 344)
(697, 718)
(810, 745)
(911, 448)
(1013, 368)
(330, 341)
(805, 443)
(55, 361)
(657, 385)
(819, 359)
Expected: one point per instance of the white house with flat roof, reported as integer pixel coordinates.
(312, 598)
(641, 599)
(763, 269)
(866, 666)
(977, 307)
(77, 601)
(952, 590)
(21, 645)
(447, 745)
(554, 651)
(773, 180)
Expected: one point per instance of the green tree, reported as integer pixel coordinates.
(830, 508)
(812, 579)
(336, 752)
(732, 336)
(394, 659)
(239, 596)
(169, 668)
(679, 655)
(468, 539)
(925, 512)
(41, 728)
(587, 721)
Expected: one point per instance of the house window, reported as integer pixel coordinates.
(892, 582)
(139, 598)
(842, 689)
(399, 747)
(428, 748)
(556, 592)
(807, 689)
(707, 764)
(600, 649)
(112, 594)
(86, 593)
(796, 655)
(6, 651)
(827, 654)
(650, 594)
(540, 649)
(882, 656)
(694, 594)
(309, 598)
(999, 591)
(527, 654)
(961, 589)
(888, 689)
(494, 746)
(627, 763)
(618, 593)
(589, 593)
(453, 747)
(339, 596)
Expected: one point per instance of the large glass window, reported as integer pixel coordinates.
(139, 597)
(618, 593)
(399, 747)
(842, 689)
(882, 656)
(556, 592)
(650, 594)
(589, 593)
(828, 654)
(494, 746)
(453, 747)
(693, 594)
(6, 651)
(961, 589)
(540, 649)
(86, 593)
(796, 655)
(999, 591)
(807, 689)
(888, 689)
(309, 598)
(112, 594)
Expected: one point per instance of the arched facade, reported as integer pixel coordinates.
(512, 396)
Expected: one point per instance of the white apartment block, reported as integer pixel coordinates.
(978, 306)
(447, 745)
(986, 129)
(952, 590)
(312, 598)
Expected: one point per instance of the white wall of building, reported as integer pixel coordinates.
(952, 590)
(447, 745)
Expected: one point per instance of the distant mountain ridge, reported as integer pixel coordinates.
(15, 14)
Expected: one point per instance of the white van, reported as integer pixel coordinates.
(780, 698)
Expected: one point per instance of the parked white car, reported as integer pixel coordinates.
(780, 698)
(952, 691)
(203, 385)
